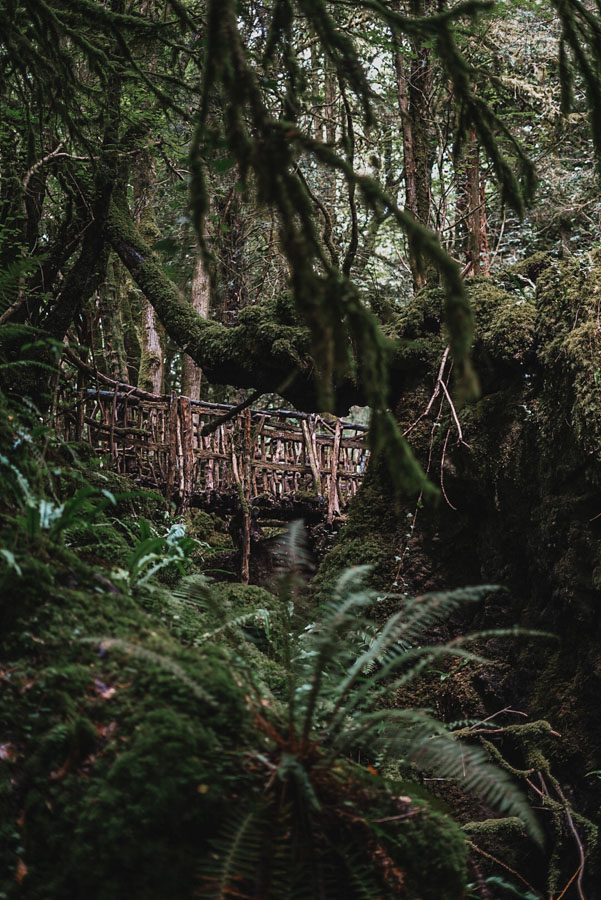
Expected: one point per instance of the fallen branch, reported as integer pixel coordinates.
(499, 862)
(507, 709)
(442, 459)
(570, 882)
(572, 828)
(440, 385)
(453, 411)
(443, 363)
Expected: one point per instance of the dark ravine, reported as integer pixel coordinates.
(521, 509)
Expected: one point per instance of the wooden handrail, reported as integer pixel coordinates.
(198, 449)
(129, 392)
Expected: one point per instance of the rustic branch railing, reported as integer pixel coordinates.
(161, 441)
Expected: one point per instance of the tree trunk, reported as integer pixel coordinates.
(112, 323)
(470, 234)
(330, 89)
(200, 297)
(412, 98)
(150, 373)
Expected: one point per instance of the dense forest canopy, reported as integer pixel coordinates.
(319, 205)
(316, 141)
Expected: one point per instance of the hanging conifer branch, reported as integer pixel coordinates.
(345, 338)
(581, 34)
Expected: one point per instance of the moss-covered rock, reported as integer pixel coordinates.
(521, 508)
(435, 855)
(505, 324)
(370, 537)
(123, 753)
(209, 528)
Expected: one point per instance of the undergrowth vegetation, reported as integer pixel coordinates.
(163, 736)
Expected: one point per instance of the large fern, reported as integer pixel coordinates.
(341, 669)
(312, 821)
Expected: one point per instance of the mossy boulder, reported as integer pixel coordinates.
(434, 854)
(209, 528)
(371, 537)
(124, 754)
(505, 323)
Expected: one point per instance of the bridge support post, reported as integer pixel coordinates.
(187, 460)
(172, 445)
(333, 503)
(311, 455)
(247, 450)
(241, 471)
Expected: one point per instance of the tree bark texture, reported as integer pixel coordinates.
(200, 298)
(151, 371)
(413, 87)
(112, 323)
(470, 234)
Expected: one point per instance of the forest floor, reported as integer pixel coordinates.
(169, 732)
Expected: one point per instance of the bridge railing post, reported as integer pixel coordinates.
(187, 451)
(333, 502)
(172, 444)
(311, 455)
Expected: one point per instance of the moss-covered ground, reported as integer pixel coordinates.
(129, 736)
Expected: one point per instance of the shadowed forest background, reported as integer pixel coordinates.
(387, 212)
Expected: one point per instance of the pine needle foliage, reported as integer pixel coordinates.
(580, 49)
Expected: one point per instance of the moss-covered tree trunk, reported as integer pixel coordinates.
(200, 298)
(109, 302)
(150, 373)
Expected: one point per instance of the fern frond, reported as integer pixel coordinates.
(416, 661)
(422, 613)
(290, 766)
(195, 591)
(359, 869)
(236, 853)
(470, 766)
(261, 616)
(388, 651)
(291, 551)
(417, 738)
(514, 631)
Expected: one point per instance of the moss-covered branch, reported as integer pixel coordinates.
(260, 352)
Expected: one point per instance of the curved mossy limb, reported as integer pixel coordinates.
(496, 828)
(259, 352)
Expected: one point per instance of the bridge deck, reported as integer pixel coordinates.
(185, 447)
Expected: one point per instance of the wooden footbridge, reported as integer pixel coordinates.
(192, 451)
